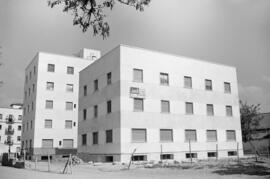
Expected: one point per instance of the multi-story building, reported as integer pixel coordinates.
(50, 108)
(159, 106)
(10, 128)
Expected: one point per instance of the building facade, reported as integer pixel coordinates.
(159, 106)
(10, 128)
(50, 108)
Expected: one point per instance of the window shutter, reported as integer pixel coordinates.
(47, 143)
(68, 143)
(139, 135)
(166, 135)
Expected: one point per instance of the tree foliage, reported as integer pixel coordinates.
(91, 12)
(250, 118)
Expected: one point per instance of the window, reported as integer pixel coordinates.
(210, 109)
(232, 153)
(19, 117)
(19, 128)
(48, 123)
(33, 88)
(47, 143)
(190, 135)
(0, 127)
(166, 135)
(165, 106)
(51, 67)
(70, 70)
(1, 116)
(164, 78)
(211, 135)
(166, 157)
(85, 90)
(30, 75)
(68, 124)
(84, 114)
(109, 106)
(69, 87)
(69, 105)
(49, 104)
(96, 111)
(227, 87)
(138, 104)
(187, 82)
(68, 143)
(32, 106)
(84, 139)
(108, 158)
(139, 158)
(26, 79)
(208, 85)
(50, 86)
(231, 135)
(189, 108)
(229, 111)
(138, 135)
(18, 138)
(96, 85)
(138, 75)
(191, 155)
(95, 137)
(109, 136)
(109, 78)
(211, 154)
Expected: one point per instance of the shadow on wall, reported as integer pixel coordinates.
(246, 169)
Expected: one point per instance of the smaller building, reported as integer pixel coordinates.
(10, 128)
(261, 137)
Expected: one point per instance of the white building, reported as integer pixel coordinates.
(10, 128)
(162, 105)
(50, 109)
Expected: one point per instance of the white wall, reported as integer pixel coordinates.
(152, 64)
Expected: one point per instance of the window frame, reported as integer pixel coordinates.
(189, 78)
(135, 105)
(141, 75)
(162, 74)
(208, 88)
(50, 67)
(192, 108)
(162, 102)
(70, 68)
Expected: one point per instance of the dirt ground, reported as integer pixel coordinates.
(247, 168)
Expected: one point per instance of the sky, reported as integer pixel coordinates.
(231, 32)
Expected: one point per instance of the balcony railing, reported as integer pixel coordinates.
(10, 119)
(9, 131)
(9, 142)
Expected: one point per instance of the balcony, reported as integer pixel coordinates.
(10, 119)
(9, 131)
(9, 142)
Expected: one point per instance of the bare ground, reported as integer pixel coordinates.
(247, 168)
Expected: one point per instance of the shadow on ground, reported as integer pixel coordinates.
(246, 169)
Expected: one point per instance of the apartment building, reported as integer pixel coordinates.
(159, 106)
(50, 108)
(10, 128)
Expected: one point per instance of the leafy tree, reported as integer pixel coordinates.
(250, 119)
(91, 12)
